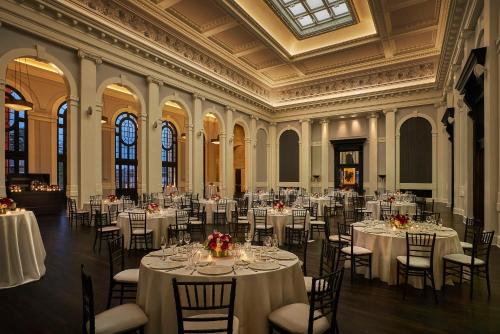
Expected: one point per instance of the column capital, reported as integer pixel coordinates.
(197, 96)
(305, 120)
(386, 111)
(154, 80)
(325, 121)
(273, 124)
(254, 118)
(373, 115)
(143, 116)
(229, 108)
(82, 54)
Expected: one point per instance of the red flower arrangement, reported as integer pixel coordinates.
(279, 206)
(153, 208)
(112, 198)
(6, 203)
(215, 197)
(391, 199)
(400, 221)
(219, 243)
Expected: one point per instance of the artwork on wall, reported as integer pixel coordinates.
(349, 176)
(349, 163)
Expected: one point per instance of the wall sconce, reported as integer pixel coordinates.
(183, 135)
(199, 133)
(157, 123)
(478, 70)
(231, 139)
(450, 120)
(89, 111)
(104, 120)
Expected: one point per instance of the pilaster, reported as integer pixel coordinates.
(153, 131)
(373, 152)
(390, 149)
(324, 153)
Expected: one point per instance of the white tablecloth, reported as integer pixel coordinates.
(387, 245)
(322, 201)
(278, 221)
(22, 253)
(211, 206)
(158, 222)
(105, 205)
(257, 294)
(401, 207)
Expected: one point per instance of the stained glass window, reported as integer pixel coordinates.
(168, 154)
(16, 136)
(61, 144)
(126, 153)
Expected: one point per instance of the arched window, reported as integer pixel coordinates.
(16, 136)
(168, 154)
(61, 144)
(126, 154)
(415, 157)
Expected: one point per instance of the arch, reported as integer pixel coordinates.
(16, 137)
(218, 115)
(416, 114)
(169, 154)
(287, 174)
(288, 128)
(39, 53)
(126, 155)
(177, 99)
(241, 121)
(121, 80)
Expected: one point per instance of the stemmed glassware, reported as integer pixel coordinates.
(274, 242)
(173, 245)
(248, 239)
(187, 238)
(163, 246)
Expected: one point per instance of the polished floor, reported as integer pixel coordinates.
(53, 304)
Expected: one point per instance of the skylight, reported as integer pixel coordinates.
(306, 18)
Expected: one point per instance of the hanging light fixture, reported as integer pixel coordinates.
(216, 141)
(21, 104)
(104, 120)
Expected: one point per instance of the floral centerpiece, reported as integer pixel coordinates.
(400, 221)
(153, 208)
(112, 198)
(6, 204)
(219, 243)
(391, 199)
(279, 206)
(215, 197)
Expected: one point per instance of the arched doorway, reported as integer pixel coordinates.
(289, 171)
(211, 154)
(239, 160)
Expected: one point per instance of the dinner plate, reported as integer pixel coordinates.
(159, 253)
(165, 265)
(179, 257)
(282, 256)
(215, 270)
(264, 266)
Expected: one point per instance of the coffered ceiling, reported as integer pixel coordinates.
(391, 44)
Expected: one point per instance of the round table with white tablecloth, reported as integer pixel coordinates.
(387, 243)
(105, 204)
(211, 206)
(322, 201)
(258, 293)
(158, 222)
(22, 253)
(402, 208)
(278, 220)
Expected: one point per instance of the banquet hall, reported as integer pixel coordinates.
(250, 166)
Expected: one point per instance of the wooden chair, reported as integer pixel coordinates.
(138, 229)
(122, 282)
(478, 263)
(76, 215)
(198, 314)
(181, 225)
(113, 214)
(104, 230)
(320, 316)
(359, 256)
(329, 262)
(198, 224)
(294, 231)
(419, 259)
(261, 227)
(472, 226)
(121, 319)
(316, 225)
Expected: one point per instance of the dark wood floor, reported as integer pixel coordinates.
(53, 304)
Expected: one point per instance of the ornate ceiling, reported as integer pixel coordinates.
(392, 45)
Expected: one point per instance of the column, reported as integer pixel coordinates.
(72, 154)
(272, 172)
(229, 153)
(252, 144)
(3, 189)
(153, 133)
(222, 164)
(249, 164)
(373, 152)
(98, 148)
(324, 152)
(305, 159)
(189, 157)
(89, 162)
(198, 185)
(390, 149)
(143, 144)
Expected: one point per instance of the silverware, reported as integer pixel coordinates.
(192, 272)
(234, 271)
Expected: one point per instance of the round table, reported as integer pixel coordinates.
(278, 220)
(322, 201)
(22, 253)
(258, 293)
(386, 244)
(211, 207)
(403, 208)
(158, 222)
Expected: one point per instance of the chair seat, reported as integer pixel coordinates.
(107, 229)
(465, 245)
(415, 261)
(242, 222)
(294, 318)
(263, 227)
(178, 227)
(141, 231)
(463, 259)
(82, 212)
(127, 276)
(211, 325)
(356, 250)
(196, 222)
(114, 222)
(317, 222)
(120, 319)
(242, 217)
(296, 227)
(335, 238)
(308, 281)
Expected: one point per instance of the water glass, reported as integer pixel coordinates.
(163, 246)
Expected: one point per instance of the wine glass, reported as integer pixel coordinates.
(248, 239)
(163, 246)
(274, 242)
(187, 238)
(267, 243)
(173, 245)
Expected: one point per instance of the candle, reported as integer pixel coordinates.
(209, 258)
(394, 228)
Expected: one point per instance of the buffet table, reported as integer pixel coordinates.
(258, 292)
(22, 253)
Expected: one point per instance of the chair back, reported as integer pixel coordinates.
(299, 218)
(472, 227)
(116, 258)
(482, 245)
(95, 205)
(349, 216)
(325, 295)
(420, 245)
(385, 209)
(260, 217)
(181, 218)
(88, 303)
(113, 212)
(195, 209)
(222, 205)
(137, 220)
(72, 205)
(313, 209)
(345, 232)
(95, 197)
(330, 258)
(243, 206)
(203, 298)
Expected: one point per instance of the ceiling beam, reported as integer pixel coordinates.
(250, 50)
(220, 28)
(396, 5)
(164, 4)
